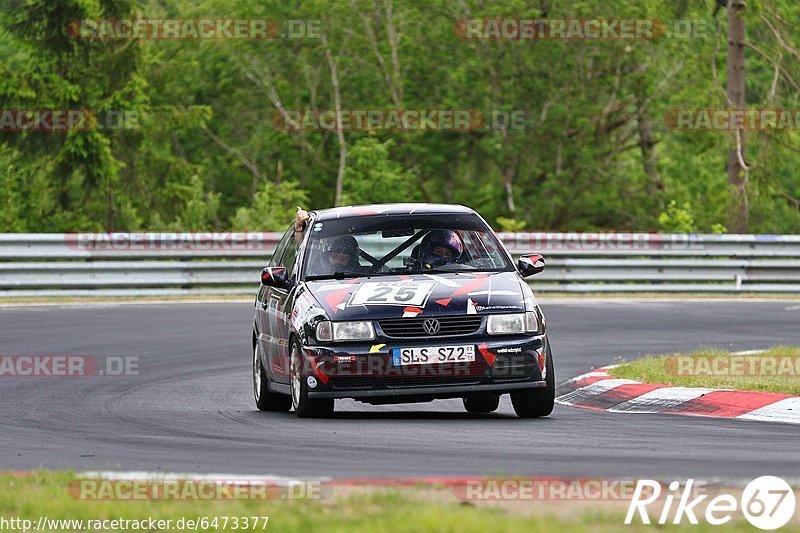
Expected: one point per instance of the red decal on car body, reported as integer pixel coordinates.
(474, 285)
(337, 297)
(489, 356)
(323, 377)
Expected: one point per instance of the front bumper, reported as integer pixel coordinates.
(366, 371)
(436, 392)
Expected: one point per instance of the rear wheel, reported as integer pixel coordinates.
(483, 403)
(304, 406)
(265, 399)
(535, 403)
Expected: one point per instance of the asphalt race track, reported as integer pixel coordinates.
(190, 408)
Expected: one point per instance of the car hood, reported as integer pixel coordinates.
(415, 295)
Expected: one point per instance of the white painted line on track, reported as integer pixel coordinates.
(787, 410)
(592, 390)
(660, 400)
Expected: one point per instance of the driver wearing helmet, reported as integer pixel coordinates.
(340, 254)
(440, 247)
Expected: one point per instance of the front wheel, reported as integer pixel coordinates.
(305, 407)
(535, 403)
(265, 399)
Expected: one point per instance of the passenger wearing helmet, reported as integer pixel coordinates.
(340, 254)
(440, 247)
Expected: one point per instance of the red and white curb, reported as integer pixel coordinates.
(599, 391)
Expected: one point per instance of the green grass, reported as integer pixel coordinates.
(360, 509)
(664, 369)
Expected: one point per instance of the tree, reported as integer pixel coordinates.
(738, 219)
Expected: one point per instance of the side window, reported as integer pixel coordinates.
(289, 256)
(276, 256)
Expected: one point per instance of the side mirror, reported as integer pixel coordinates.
(530, 264)
(274, 276)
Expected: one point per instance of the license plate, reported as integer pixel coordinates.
(428, 356)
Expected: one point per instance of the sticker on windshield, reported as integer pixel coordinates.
(406, 293)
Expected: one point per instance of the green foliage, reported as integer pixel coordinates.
(510, 224)
(677, 219)
(373, 177)
(203, 151)
(201, 211)
(273, 207)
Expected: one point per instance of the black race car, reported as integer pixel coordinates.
(399, 303)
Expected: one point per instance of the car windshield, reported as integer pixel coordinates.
(402, 244)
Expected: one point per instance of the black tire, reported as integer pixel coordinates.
(535, 403)
(266, 400)
(483, 403)
(303, 406)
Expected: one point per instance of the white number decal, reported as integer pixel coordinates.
(393, 293)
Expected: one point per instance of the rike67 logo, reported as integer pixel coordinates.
(767, 502)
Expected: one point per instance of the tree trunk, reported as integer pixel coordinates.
(337, 101)
(112, 211)
(737, 171)
(647, 143)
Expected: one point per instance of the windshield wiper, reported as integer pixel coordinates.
(338, 275)
(440, 270)
(473, 270)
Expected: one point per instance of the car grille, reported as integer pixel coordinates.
(354, 382)
(468, 373)
(399, 383)
(449, 326)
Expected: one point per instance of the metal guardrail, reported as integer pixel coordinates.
(153, 264)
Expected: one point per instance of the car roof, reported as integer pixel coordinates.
(391, 209)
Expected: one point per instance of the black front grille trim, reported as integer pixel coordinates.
(449, 326)
(399, 383)
(355, 382)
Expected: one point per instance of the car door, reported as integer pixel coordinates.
(279, 311)
(265, 324)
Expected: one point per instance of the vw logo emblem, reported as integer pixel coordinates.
(431, 326)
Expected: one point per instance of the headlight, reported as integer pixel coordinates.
(353, 331)
(506, 324)
(514, 324)
(324, 331)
